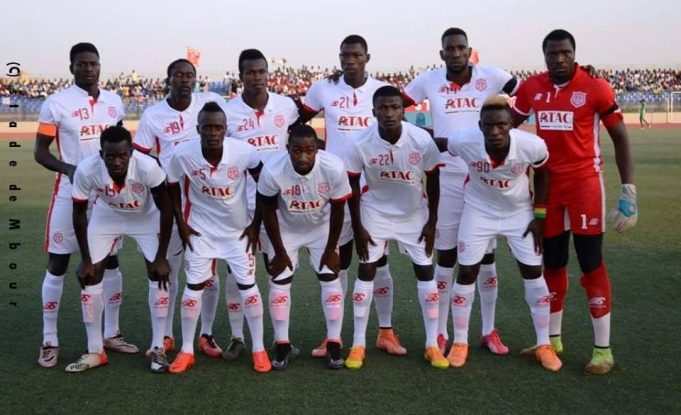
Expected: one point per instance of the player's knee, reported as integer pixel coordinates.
(530, 272)
(446, 258)
(556, 250)
(366, 272)
(282, 281)
(243, 287)
(197, 287)
(383, 261)
(345, 254)
(423, 272)
(467, 274)
(327, 277)
(589, 251)
(112, 262)
(488, 258)
(58, 264)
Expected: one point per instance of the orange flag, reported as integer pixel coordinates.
(475, 57)
(193, 56)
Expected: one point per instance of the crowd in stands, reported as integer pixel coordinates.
(296, 81)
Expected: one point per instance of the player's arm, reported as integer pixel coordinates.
(433, 192)
(257, 215)
(183, 228)
(362, 237)
(160, 267)
(281, 260)
(43, 156)
(626, 214)
(305, 114)
(79, 194)
(330, 256)
(520, 111)
(536, 225)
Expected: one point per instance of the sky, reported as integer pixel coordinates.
(147, 35)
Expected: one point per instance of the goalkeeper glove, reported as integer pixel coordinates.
(625, 215)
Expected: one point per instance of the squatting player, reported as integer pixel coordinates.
(215, 224)
(124, 181)
(347, 106)
(395, 157)
(303, 196)
(261, 119)
(74, 118)
(569, 106)
(455, 94)
(498, 202)
(163, 126)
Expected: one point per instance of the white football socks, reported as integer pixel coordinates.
(462, 303)
(53, 286)
(488, 289)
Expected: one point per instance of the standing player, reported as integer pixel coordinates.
(261, 119)
(642, 114)
(569, 105)
(395, 157)
(498, 202)
(75, 118)
(124, 182)
(310, 189)
(347, 106)
(163, 126)
(215, 225)
(456, 94)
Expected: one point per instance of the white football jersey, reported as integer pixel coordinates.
(394, 173)
(304, 200)
(79, 121)
(134, 197)
(214, 196)
(266, 131)
(347, 110)
(456, 107)
(163, 127)
(503, 189)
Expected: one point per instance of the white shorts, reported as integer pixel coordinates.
(199, 263)
(314, 240)
(478, 229)
(107, 228)
(405, 231)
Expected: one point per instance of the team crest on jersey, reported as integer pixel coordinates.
(578, 99)
(481, 84)
(113, 113)
(137, 187)
(279, 121)
(323, 188)
(58, 237)
(232, 173)
(517, 169)
(414, 158)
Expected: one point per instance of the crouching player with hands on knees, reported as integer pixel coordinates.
(498, 202)
(124, 181)
(310, 188)
(395, 157)
(215, 225)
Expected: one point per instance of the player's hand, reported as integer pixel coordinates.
(85, 274)
(159, 270)
(251, 232)
(625, 215)
(362, 241)
(335, 77)
(186, 233)
(536, 227)
(331, 259)
(591, 71)
(428, 234)
(70, 171)
(279, 263)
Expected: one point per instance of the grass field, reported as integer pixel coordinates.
(644, 264)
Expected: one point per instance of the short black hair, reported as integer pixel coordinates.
(453, 31)
(115, 134)
(302, 131)
(176, 62)
(558, 35)
(80, 48)
(354, 40)
(386, 91)
(250, 55)
(211, 106)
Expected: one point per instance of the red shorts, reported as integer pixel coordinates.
(575, 205)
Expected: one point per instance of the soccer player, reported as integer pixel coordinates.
(261, 119)
(124, 182)
(569, 106)
(395, 157)
(498, 202)
(642, 114)
(456, 93)
(215, 224)
(347, 106)
(74, 118)
(163, 126)
(310, 189)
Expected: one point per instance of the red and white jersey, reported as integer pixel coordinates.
(568, 119)
(163, 127)
(500, 189)
(394, 172)
(265, 130)
(214, 196)
(134, 197)
(76, 120)
(456, 107)
(347, 110)
(304, 199)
